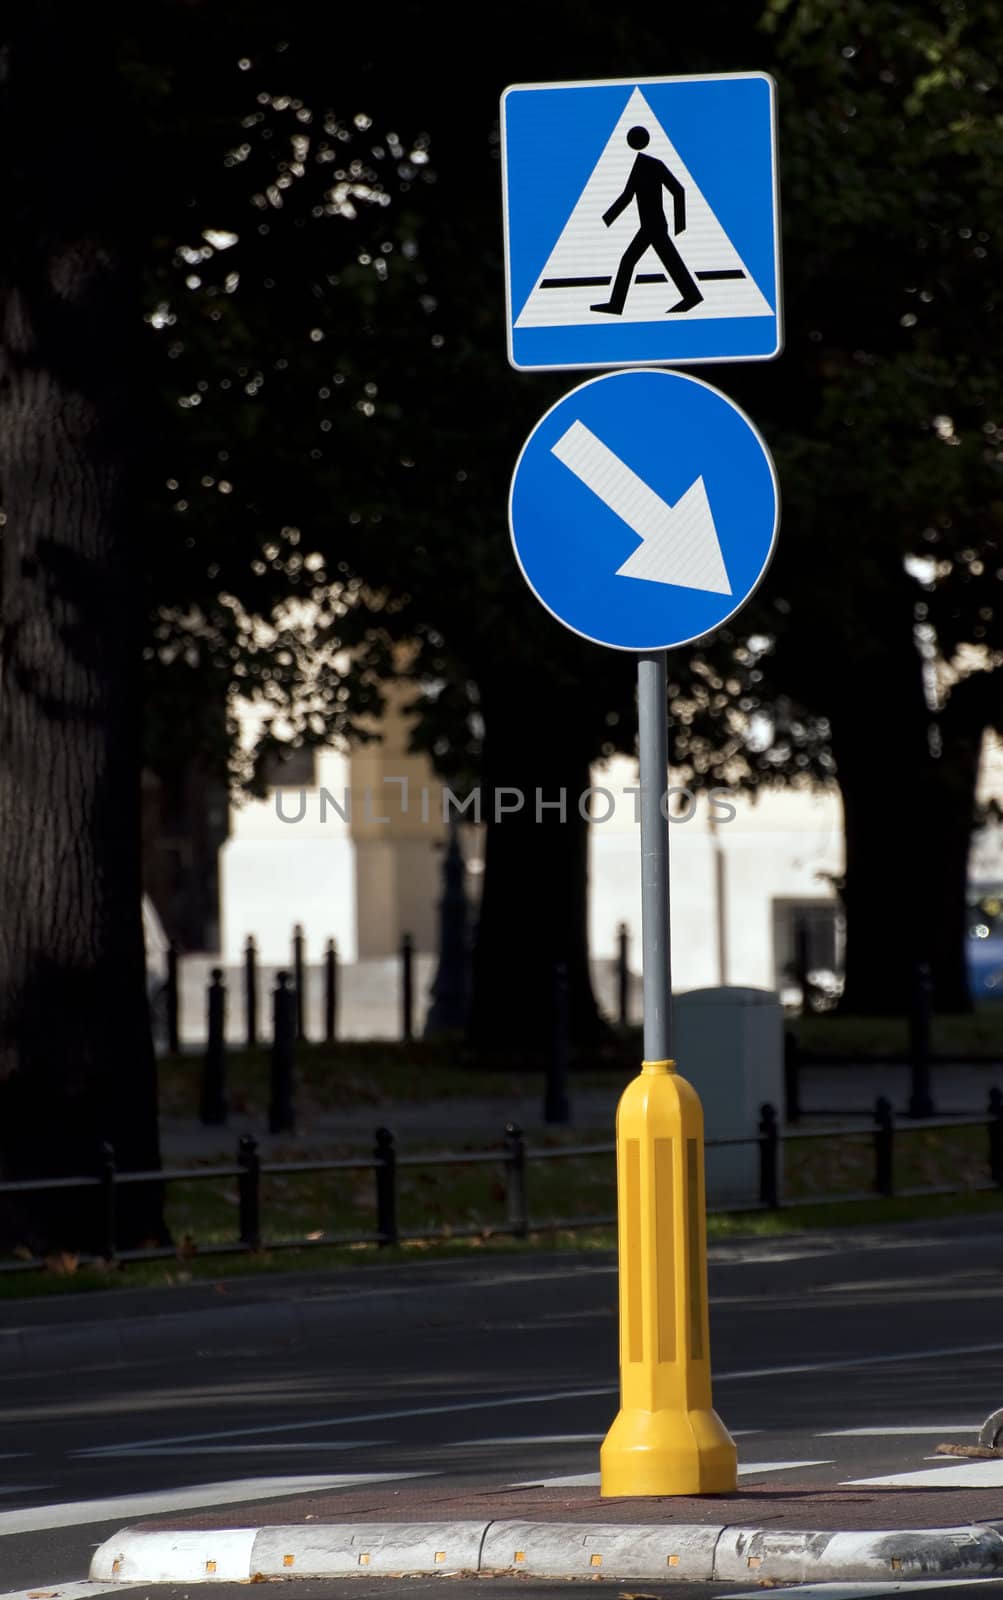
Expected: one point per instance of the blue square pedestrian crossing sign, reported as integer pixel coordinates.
(641, 222)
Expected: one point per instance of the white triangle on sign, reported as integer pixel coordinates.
(582, 265)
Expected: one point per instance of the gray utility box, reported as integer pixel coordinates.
(729, 1044)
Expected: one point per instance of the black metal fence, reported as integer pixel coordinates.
(287, 1032)
(299, 975)
(514, 1158)
(293, 981)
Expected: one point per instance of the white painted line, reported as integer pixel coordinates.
(852, 1591)
(554, 1396)
(532, 1438)
(848, 1363)
(73, 1513)
(85, 1590)
(24, 1488)
(574, 1480)
(371, 1416)
(241, 1448)
(966, 1475)
(896, 1430)
(590, 1480)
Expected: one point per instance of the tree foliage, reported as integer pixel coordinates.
(348, 374)
(883, 606)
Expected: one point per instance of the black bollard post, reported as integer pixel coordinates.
(299, 981)
(622, 975)
(556, 1105)
(212, 1102)
(769, 1143)
(996, 1137)
(450, 996)
(884, 1147)
(920, 1098)
(792, 1077)
(515, 1181)
(331, 992)
(251, 991)
(385, 1157)
(249, 1192)
(281, 1116)
(172, 1000)
(407, 988)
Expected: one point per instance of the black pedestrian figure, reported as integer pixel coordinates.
(648, 177)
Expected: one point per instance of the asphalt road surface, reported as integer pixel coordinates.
(837, 1359)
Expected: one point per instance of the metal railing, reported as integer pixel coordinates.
(514, 1157)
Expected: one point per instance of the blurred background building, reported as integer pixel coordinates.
(350, 847)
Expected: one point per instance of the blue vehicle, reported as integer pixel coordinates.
(984, 949)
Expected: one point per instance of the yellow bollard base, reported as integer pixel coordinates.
(667, 1452)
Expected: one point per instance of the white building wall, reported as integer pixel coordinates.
(781, 845)
(365, 882)
(274, 873)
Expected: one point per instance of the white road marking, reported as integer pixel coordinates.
(371, 1416)
(85, 1590)
(24, 1488)
(966, 1475)
(851, 1591)
(498, 1403)
(846, 1364)
(536, 1438)
(73, 1513)
(894, 1430)
(574, 1480)
(242, 1447)
(590, 1480)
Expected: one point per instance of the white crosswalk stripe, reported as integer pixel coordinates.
(893, 1430)
(852, 1591)
(964, 1475)
(85, 1590)
(74, 1513)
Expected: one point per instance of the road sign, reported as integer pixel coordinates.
(641, 221)
(644, 509)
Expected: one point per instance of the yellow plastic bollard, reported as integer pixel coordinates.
(667, 1438)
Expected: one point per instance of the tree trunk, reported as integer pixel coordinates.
(880, 739)
(76, 1059)
(909, 812)
(534, 908)
(952, 787)
(951, 814)
(883, 875)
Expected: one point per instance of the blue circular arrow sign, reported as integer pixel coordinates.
(644, 509)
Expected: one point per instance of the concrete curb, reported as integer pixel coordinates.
(548, 1550)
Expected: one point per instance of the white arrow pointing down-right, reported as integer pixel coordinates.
(679, 543)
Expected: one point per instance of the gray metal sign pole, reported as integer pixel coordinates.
(652, 723)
